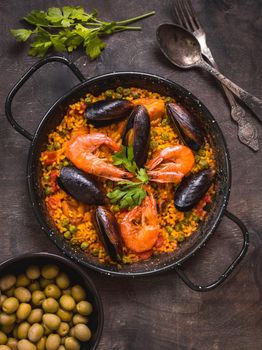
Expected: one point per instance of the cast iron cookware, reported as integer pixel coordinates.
(96, 85)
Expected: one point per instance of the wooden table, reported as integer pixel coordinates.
(157, 312)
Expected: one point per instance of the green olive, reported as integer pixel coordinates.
(22, 330)
(35, 316)
(61, 347)
(71, 344)
(12, 343)
(33, 272)
(65, 316)
(84, 308)
(38, 297)
(40, 345)
(7, 320)
(22, 294)
(25, 344)
(35, 332)
(22, 280)
(7, 282)
(34, 286)
(8, 329)
(77, 318)
(82, 332)
(47, 331)
(78, 293)
(2, 299)
(53, 341)
(66, 291)
(3, 338)
(51, 321)
(4, 347)
(63, 329)
(23, 311)
(67, 302)
(50, 305)
(44, 282)
(10, 292)
(52, 291)
(62, 280)
(10, 305)
(50, 271)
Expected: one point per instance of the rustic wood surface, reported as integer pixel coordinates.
(158, 312)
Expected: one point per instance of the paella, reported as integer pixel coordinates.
(127, 175)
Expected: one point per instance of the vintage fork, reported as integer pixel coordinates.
(186, 17)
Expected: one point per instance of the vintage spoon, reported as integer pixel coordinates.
(183, 50)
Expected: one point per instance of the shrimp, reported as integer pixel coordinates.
(80, 154)
(154, 106)
(171, 165)
(143, 236)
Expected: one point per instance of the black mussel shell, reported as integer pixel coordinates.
(139, 125)
(80, 186)
(187, 125)
(108, 111)
(192, 188)
(108, 232)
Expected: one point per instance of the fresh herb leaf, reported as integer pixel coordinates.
(125, 157)
(127, 195)
(68, 28)
(21, 34)
(142, 175)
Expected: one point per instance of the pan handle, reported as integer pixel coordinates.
(229, 269)
(25, 77)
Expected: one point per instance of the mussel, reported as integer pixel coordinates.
(108, 232)
(80, 186)
(192, 188)
(187, 125)
(137, 133)
(108, 111)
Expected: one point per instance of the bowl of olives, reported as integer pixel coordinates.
(48, 303)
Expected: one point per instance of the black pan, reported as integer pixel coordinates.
(165, 87)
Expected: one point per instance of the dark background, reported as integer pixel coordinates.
(157, 312)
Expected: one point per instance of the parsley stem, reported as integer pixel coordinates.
(134, 19)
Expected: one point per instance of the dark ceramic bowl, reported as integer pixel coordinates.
(76, 274)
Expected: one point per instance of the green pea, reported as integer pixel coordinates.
(169, 229)
(109, 93)
(84, 245)
(50, 147)
(72, 228)
(178, 227)
(135, 95)
(46, 177)
(95, 252)
(88, 100)
(153, 144)
(118, 96)
(65, 222)
(165, 137)
(202, 153)
(181, 238)
(48, 190)
(119, 89)
(164, 122)
(67, 235)
(57, 145)
(203, 163)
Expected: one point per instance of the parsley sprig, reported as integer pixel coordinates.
(68, 28)
(128, 194)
